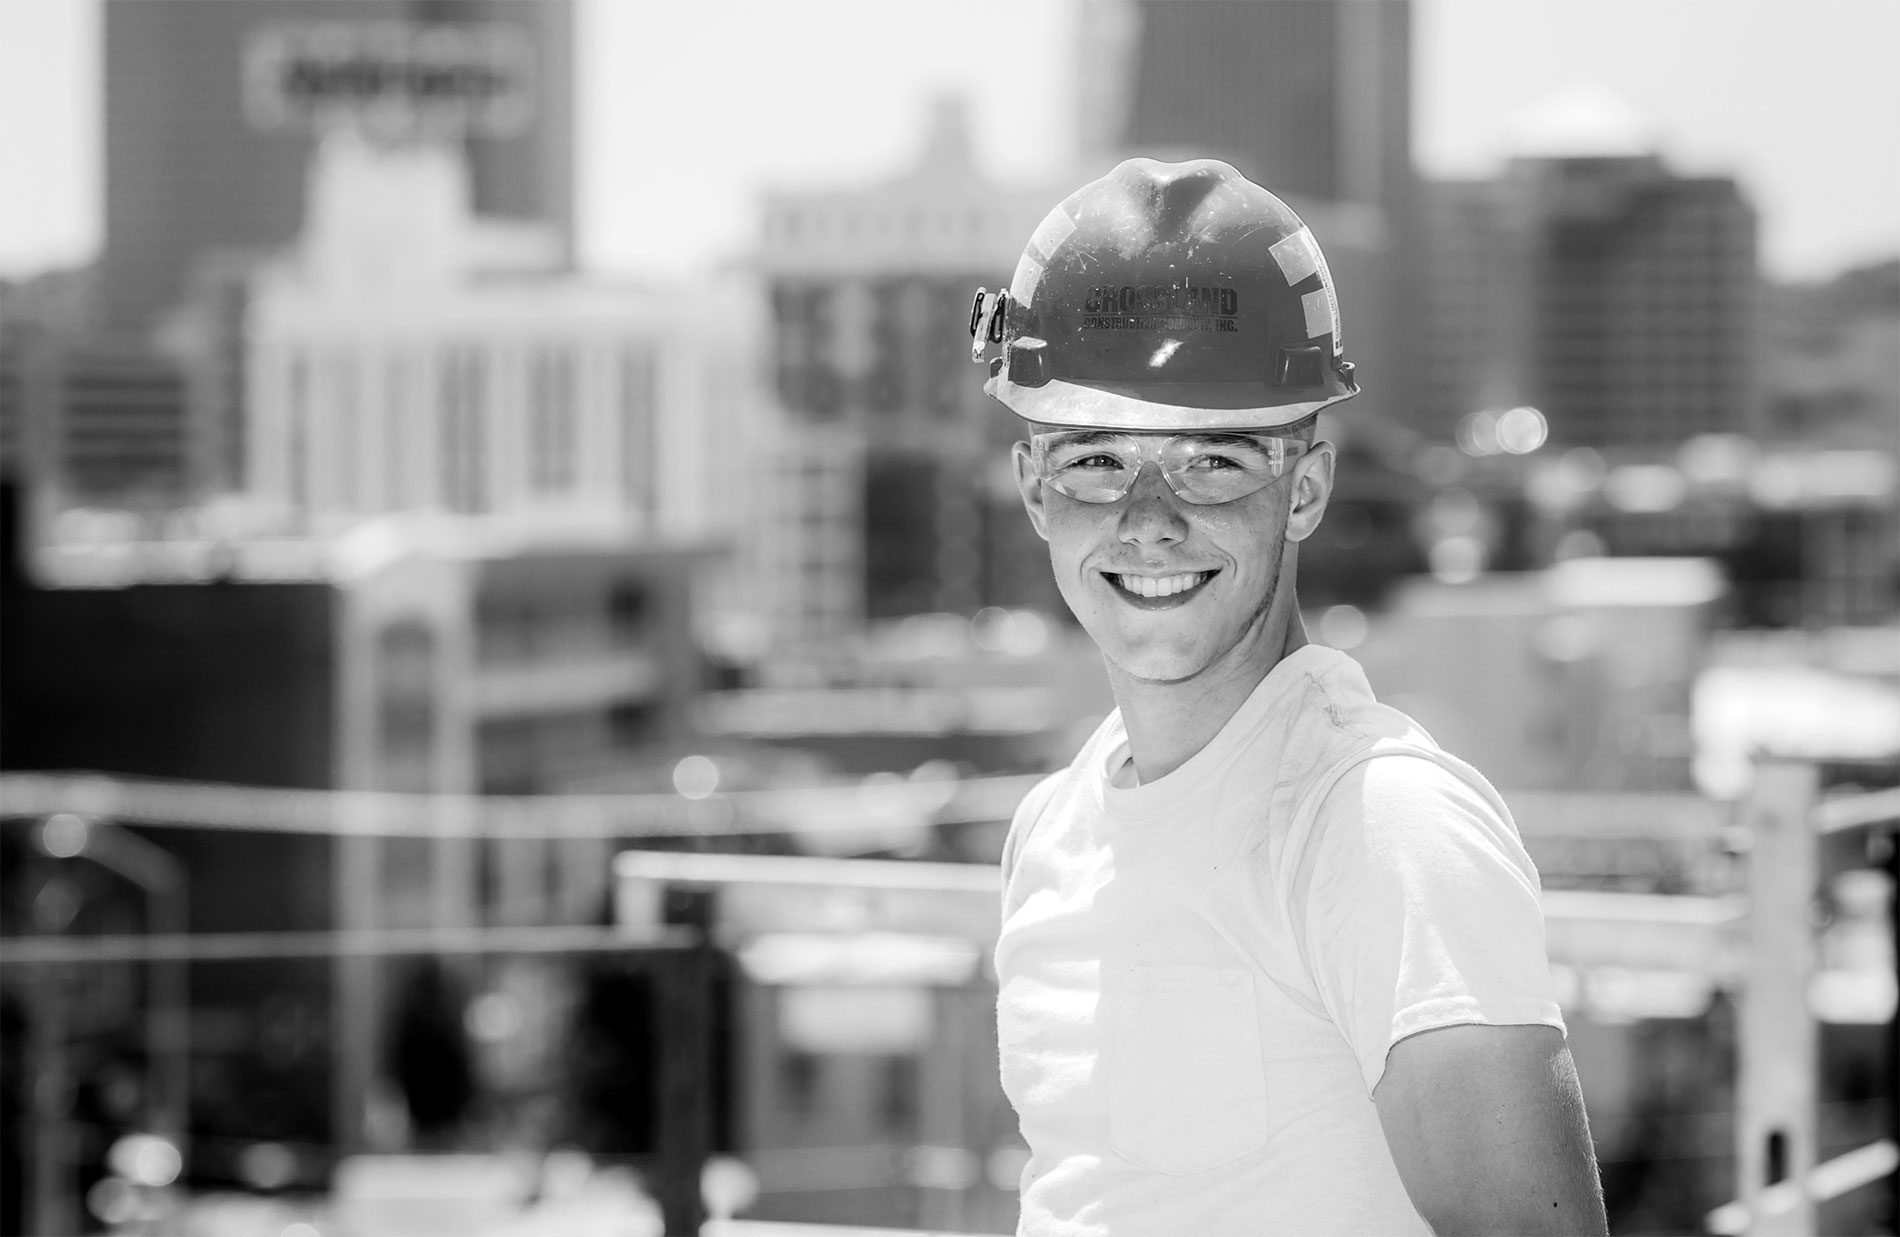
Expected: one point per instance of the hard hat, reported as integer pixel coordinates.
(1167, 296)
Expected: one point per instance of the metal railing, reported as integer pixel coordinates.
(1782, 1180)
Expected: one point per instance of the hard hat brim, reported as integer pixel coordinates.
(1188, 406)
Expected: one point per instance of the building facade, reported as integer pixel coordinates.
(1645, 287)
(409, 357)
(1614, 295)
(870, 295)
(93, 423)
(1473, 339)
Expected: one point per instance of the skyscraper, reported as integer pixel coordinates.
(1310, 98)
(200, 159)
(1645, 291)
(1473, 338)
(1614, 295)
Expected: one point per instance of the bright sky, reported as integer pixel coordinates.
(688, 110)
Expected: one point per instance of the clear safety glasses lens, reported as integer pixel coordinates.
(1094, 466)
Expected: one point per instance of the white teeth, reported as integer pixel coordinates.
(1162, 586)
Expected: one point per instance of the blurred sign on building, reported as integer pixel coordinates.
(212, 106)
(390, 79)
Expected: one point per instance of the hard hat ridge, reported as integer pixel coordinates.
(1175, 193)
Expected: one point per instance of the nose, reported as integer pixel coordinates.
(1151, 513)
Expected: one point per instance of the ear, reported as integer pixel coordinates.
(1029, 485)
(1312, 489)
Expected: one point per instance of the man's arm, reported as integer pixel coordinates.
(1486, 1126)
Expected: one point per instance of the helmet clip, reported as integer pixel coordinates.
(986, 321)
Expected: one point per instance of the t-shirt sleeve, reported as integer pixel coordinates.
(1419, 909)
(1027, 813)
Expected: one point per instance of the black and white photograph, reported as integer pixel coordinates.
(897, 618)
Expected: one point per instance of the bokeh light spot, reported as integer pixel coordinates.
(1343, 627)
(696, 777)
(64, 835)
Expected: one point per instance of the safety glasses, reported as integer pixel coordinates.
(1098, 466)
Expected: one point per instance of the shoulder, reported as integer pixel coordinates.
(1028, 812)
(1388, 790)
(1413, 815)
(1037, 800)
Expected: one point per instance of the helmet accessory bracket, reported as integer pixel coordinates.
(1300, 366)
(986, 321)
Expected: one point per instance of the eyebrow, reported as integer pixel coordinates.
(1219, 439)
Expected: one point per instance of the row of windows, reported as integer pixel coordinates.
(456, 394)
(913, 224)
(535, 755)
(821, 392)
(521, 625)
(920, 320)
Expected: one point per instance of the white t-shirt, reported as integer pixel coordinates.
(1199, 978)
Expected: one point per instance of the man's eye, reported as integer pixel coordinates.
(1214, 463)
(1098, 460)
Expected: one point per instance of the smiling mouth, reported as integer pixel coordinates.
(1167, 589)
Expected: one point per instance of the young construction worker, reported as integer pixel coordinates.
(1271, 961)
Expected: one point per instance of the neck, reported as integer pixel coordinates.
(1168, 723)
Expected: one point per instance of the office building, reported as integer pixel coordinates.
(212, 108)
(1473, 340)
(1610, 293)
(870, 295)
(408, 356)
(92, 423)
(85, 421)
(1644, 313)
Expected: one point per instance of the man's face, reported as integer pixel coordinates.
(1213, 570)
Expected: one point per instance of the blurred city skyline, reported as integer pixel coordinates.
(676, 151)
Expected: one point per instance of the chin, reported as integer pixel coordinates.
(1155, 665)
(1161, 677)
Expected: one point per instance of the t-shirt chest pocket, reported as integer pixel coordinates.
(1186, 1083)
